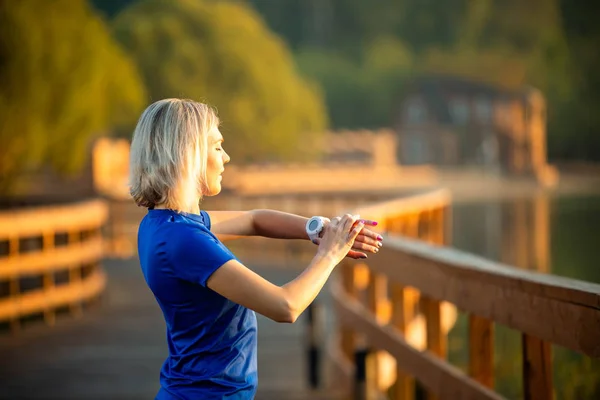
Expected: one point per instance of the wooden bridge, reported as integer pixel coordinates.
(381, 333)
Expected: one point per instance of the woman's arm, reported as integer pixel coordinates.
(229, 225)
(285, 303)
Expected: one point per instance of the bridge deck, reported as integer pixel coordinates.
(115, 350)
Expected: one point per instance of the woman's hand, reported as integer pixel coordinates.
(366, 241)
(339, 236)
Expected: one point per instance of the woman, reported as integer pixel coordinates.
(208, 298)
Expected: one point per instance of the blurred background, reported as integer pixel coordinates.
(325, 105)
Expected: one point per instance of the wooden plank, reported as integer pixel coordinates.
(406, 205)
(437, 376)
(59, 258)
(561, 310)
(537, 369)
(457, 262)
(63, 295)
(481, 350)
(63, 218)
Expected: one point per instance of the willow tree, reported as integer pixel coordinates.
(223, 54)
(63, 79)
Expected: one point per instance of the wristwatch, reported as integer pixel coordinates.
(314, 226)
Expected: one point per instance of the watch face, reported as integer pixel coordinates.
(313, 225)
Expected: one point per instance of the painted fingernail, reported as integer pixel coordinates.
(379, 244)
(379, 237)
(363, 256)
(374, 223)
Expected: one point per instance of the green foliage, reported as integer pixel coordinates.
(63, 80)
(549, 44)
(494, 67)
(360, 94)
(581, 121)
(222, 53)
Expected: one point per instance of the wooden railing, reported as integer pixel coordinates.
(378, 303)
(49, 260)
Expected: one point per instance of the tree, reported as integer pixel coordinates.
(222, 53)
(62, 81)
(580, 19)
(360, 94)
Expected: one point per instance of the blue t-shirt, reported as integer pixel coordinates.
(212, 340)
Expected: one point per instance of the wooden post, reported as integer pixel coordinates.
(75, 274)
(377, 301)
(436, 342)
(412, 226)
(447, 225)
(48, 277)
(537, 369)
(439, 226)
(521, 235)
(377, 296)
(314, 333)
(432, 226)
(402, 314)
(348, 337)
(396, 225)
(13, 283)
(481, 350)
(365, 382)
(541, 232)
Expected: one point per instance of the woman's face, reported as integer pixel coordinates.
(215, 163)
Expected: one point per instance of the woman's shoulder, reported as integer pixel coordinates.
(177, 219)
(172, 225)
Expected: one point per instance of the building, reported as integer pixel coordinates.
(374, 148)
(451, 121)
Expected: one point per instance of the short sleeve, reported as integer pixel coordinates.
(195, 254)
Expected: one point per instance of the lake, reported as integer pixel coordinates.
(557, 235)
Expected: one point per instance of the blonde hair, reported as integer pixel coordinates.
(168, 154)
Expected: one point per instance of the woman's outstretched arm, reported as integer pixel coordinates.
(228, 225)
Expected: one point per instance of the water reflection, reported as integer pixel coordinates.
(555, 235)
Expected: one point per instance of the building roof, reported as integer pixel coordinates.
(433, 88)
